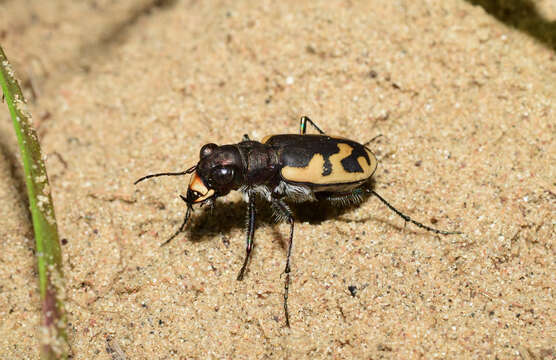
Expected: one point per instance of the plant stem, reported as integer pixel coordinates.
(49, 256)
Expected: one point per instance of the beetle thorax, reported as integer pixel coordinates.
(261, 162)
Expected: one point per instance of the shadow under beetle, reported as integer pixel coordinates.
(297, 167)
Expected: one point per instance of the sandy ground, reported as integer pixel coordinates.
(121, 89)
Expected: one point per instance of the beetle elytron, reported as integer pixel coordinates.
(296, 167)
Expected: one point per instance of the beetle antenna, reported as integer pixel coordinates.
(182, 227)
(188, 171)
(407, 218)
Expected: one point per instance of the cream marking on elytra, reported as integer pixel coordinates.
(312, 173)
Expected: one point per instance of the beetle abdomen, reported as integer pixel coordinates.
(321, 160)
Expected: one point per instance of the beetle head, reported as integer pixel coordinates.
(218, 171)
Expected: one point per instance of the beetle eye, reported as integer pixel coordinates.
(223, 175)
(207, 149)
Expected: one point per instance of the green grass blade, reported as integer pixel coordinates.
(49, 256)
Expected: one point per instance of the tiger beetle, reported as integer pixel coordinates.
(296, 167)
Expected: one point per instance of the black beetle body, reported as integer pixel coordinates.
(296, 167)
(291, 166)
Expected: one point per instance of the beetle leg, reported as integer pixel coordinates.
(373, 139)
(250, 233)
(182, 227)
(245, 137)
(282, 207)
(303, 125)
(345, 199)
(407, 218)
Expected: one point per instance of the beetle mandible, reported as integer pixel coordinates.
(297, 167)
